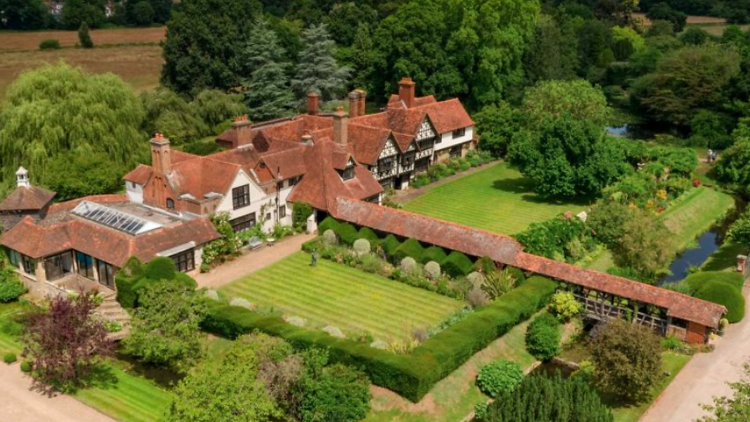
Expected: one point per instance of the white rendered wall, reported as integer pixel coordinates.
(449, 141)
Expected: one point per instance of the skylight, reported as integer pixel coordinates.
(113, 218)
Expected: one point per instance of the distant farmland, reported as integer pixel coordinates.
(133, 54)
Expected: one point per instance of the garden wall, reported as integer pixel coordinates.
(411, 375)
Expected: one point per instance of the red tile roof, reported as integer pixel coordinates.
(506, 250)
(32, 198)
(140, 175)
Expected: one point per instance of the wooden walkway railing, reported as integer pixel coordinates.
(600, 310)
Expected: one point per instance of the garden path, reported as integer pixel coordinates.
(251, 261)
(22, 404)
(705, 376)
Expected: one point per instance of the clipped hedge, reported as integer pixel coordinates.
(412, 375)
(328, 223)
(543, 337)
(457, 265)
(390, 244)
(517, 274)
(697, 280)
(368, 234)
(434, 253)
(724, 294)
(346, 233)
(161, 268)
(126, 279)
(410, 248)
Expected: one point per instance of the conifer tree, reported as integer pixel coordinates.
(363, 57)
(317, 68)
(268, 95)
(84, 38)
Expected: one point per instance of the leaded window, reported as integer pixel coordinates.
(241, 196)
(184, 261)
(245, 222)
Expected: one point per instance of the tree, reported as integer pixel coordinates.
(235, 396)
(645, 244)
(317, 69)
(568, 157)
(162, 10)
(197, 55)
(345, 19)
(607, 219)
(58, 108)
(552, 53)
(169, 114)
(76, 12)
(76, 173)
(66, 342)
(734, 408)
(497, 124)
(544, 399)
(215, 108)
(549, 100)
(363, 57)
(627, 360)
(84, 38)
(734, 164)
(22, 14)
(662, 11)
(335, 393)
(267, 92)
(143, 13)
(11, 287)
(166, 326)
(685, 81)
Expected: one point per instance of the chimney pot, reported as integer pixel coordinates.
(340, 133)
(313, 102)
(406, 88)
(354, 103)
(362, 97)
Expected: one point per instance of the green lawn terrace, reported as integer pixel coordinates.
(334, 294)
(498, 199)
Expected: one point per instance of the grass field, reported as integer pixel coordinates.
(132, 54)
(455, 396)
(350, 299)
(692, 216)
(497, 199)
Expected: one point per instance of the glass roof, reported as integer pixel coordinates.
(114, 218)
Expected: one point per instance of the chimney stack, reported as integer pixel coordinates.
(161, 159)
(22, 178)
(339, 126)
(243, 126)
(406, 91)
(362, 97)
(354, 98)
(307, 138)
(313, 101)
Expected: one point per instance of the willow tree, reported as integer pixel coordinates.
(58, 108)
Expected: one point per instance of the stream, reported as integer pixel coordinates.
(708, 243)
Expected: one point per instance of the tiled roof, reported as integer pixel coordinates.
(506, 250)
(104, 243)
(27, 199)
(139, 175)
(447, 115)
(101, 199)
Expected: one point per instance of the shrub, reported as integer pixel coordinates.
(362, 246)
(161, 268)
(543, 337)
(517, 274)
(371, 263)
(408, 264)
(485, 265)
(411, 375)
(477, 298)
(500, 376)
(126, 279)
(346, 232)
(26, 367)
(724, 294)
(300, 213)
(10, 287)
(457, 265)
(434, 253)
(330, 237)
(49, 44)
(328, 223)
(368, 234)
(411, 248)
(390, 244)
(565, 306)
(432, 269)
(697, 280)
(9, 358)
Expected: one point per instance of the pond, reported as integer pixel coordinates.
(552, 367)
(708, 243)
(630, 130)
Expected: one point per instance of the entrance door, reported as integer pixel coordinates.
(85, 265)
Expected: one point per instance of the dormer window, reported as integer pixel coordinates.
(170, 203)
(348, 172)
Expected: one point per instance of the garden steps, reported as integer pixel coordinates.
(111, 310)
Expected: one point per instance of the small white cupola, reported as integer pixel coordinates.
(22, 178)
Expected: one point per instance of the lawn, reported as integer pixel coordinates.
(455, 396)
(350, 299)
(690, 217)
(497, 199)
(671, 363)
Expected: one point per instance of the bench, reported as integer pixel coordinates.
(254, 242)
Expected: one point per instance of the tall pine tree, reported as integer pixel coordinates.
(317, 69)
(363, 57)
(268, 95)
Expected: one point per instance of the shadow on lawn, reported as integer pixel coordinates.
(161, 376)
(525, 187)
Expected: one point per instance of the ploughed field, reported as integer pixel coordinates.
(350, 299)
(498, 199)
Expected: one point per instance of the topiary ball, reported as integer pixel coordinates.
(329, 237)
(361, 246)
(26, 367)
(476, 278)
(432, 269)
(9, 358)
(408, 264)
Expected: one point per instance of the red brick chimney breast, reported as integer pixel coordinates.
(313, 103)
(340, 126)
(406, 88)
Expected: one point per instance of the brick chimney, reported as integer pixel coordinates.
(406, 91)
(313, 102)
(339, 126)
(161, 159)
(362, 98)
(354, 103)
(243, 127)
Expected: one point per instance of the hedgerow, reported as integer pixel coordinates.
(390, 244)
(457, 264)
(724, 294)
(368, 234)
(328, 223)
(410, 375)
(410, 248)
(434, 253)
(346, 233)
